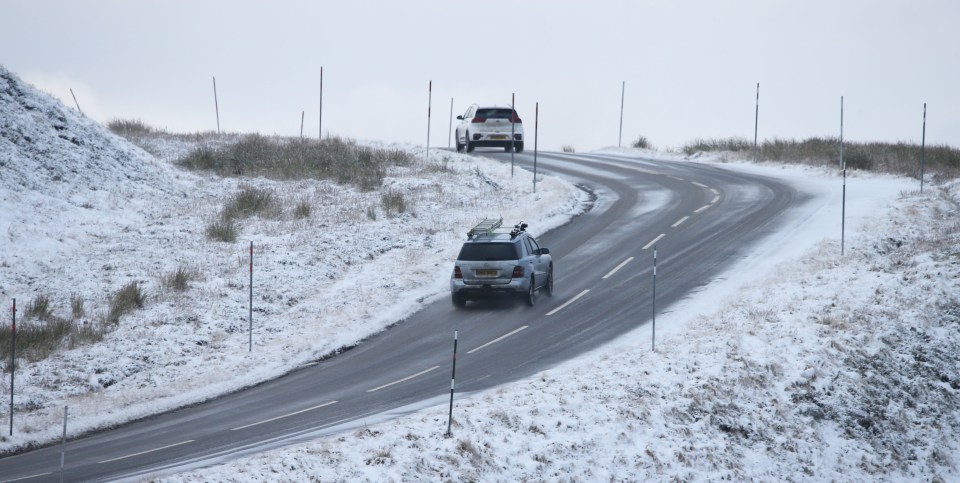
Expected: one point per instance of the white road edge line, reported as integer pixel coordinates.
(714, 191)
(685, 218)
(698, 210)
(498, 339)
(581, 294)
(715, 199)
(655, 240)
(617, 268)
(284, 416)
(700, 185)
(405, 379)
(26, 477)
(147, 451)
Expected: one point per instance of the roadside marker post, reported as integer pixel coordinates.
(654, 301)
(450, 127)
(623, 92)
(13, 360)
(216, 103)
(843, 166)
(63, 443)
(303, 115)
(513, 129)
(75, 100)
(320, 128)
(453, 379)
(536, 128)
(923, 146)
(250, 349)
(429, 108)
(756, 121)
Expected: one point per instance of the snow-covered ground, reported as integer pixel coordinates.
(796, 364)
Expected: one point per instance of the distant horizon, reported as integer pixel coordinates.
(690, 70)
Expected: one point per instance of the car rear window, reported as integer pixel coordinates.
(482, 252)
(493, 113)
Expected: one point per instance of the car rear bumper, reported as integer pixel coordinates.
(471, 290)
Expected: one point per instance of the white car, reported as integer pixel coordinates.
(490, 126)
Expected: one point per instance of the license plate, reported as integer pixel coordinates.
(498, 136)
(486, 272)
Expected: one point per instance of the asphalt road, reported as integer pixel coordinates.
(700, 218)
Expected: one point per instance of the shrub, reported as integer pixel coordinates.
(248, 202)
(179, 280)
(393, 202)
(39, 308)
(76, 307)
(641, 143)
(129, 127)
(567, 148)
(126, 300)
(222, 230)
(302, 210)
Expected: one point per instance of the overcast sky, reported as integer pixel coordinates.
(690, 67)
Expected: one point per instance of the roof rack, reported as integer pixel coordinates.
(485, 227)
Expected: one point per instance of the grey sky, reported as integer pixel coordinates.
(690, 67)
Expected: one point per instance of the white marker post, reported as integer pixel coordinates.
(623, 92)
(13, 360)
(843, 166)
(513, 129)
(536, 127)
(450, 127)
(756, 121)
(216, 104)
(320, 127)
(654, 300)
(251, 298)
(429, 106)
(63, 444)
(453, 378)
(923, 146)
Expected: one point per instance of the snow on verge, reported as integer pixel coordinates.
(816, 367)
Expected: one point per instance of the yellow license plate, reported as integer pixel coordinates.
(486, 272)
(498, 136)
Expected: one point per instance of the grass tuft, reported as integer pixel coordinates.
(302, 210)
(222, 231)
(126, 300)
(248, 202)
(130, 128)
(393, 203)
(642, 143)
(179, 280)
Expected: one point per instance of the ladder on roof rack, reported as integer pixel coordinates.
(485, 227)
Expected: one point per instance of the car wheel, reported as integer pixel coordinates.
(458, 301)
(519, 147)
(548, 288)
(531, 297)
(459, 146)
(466, 142)
(506, 148)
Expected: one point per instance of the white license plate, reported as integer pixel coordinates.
(498, 136)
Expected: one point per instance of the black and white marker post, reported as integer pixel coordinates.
(453, 379)
(654, 304)
(13, 360)
(843, 166)
(320, 123)
(623, 93)
(450, 126)
(251, 298)
(756, 121)
(216, 104)
(429, 107)
(513, 129)
(63, 444)
(536, 127)
(923, 146)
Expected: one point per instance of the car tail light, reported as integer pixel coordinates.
(478, 120)
(457, 274)
(517, 272)
(515, 118)
(518, 137)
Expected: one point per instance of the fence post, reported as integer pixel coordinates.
(251, 298)
(75, 100)
(320, 126)
(429, 108)
(923, 146)
(513, 129)
(13, 361)
(453, 378)
(623, 93)
(216, 103)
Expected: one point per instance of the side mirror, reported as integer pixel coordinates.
(544, 251)
(459, 118)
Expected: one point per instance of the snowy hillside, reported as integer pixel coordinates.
(797, 364)
(85, 213)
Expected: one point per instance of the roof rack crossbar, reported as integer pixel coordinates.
(485, 227)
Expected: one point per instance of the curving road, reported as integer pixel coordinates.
(699, 217)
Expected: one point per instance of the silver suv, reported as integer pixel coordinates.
(490, 126)
(495, 261)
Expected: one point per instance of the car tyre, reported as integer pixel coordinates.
(459, 146)
(466, 142)
(518, 147)
(548, 288)
(531, 297)
(458, 301)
